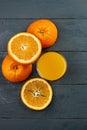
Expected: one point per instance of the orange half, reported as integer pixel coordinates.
(36, 94)
(24, 48)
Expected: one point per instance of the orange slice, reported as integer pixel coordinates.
(51, 66)
(24, 48)
(36, 94)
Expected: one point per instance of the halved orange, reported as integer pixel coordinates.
(36, 94)
(24, 47)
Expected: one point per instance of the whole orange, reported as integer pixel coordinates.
(45, 30)
(14, 71)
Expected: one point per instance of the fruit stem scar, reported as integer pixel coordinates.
(15, 67)
(42, 31)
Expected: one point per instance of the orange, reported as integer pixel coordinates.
(36, 94)
(15, 72)
(51, 66)
(24, 47)
(45, 30)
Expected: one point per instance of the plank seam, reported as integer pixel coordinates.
(66, 18)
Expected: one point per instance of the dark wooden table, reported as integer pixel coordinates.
(68, 110)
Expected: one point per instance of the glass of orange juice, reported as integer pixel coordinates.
(51, 66)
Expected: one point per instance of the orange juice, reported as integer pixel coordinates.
(51, 66)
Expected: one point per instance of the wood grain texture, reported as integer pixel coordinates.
(44, 124)
(76, 68)
(69, 93)
(43, 9)
(72, 33)
(69, 102)
(68, 110)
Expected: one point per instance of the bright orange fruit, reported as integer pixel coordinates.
(45, 30)
(36, 94)
(24, 48)
(14, 71)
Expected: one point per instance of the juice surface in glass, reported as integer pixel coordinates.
(51, 66)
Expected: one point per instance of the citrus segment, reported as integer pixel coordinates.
(45, 30)
(24, 48)
(36, 93)
(51, 66)
(14, 71)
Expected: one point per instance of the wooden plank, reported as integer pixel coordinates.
(69, 102)
(68, 110)
(72, 33)
(73, 96)
(41, 9)
(44, 124)
(76, 68)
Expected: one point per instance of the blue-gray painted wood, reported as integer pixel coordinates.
(68, 110)
(43, 9)
(72, 33)
(76, 68)
(69, 102)
(44, 124)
